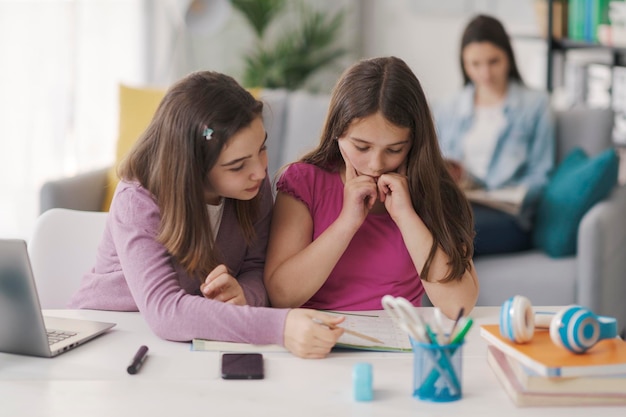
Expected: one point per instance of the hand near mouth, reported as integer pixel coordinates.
(393, 191)
(359, 195)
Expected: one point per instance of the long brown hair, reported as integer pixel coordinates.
(387, 85)
(483, 28)
(173, 157)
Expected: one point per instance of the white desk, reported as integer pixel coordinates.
(91, 380)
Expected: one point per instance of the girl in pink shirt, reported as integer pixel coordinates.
(186, 234)
(372, 210)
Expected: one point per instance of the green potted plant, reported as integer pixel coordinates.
(289, 58)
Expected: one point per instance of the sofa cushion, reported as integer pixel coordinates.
(544, 280)
(306, 113)
(137, 106)
(274, 110)
(575, 127)
(578, 183)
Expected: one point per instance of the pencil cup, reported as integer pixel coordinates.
(437, 371)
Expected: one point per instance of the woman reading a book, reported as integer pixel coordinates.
(498, 138)
(372, 210)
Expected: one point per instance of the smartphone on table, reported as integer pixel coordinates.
(242, 366)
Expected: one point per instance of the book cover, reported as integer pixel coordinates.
(522, 398)
(576, 19)
(593, 384)
(607, 357)
(508, 200)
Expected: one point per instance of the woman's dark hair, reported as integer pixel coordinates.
(173, 157)
(483, 28)
(388, 86)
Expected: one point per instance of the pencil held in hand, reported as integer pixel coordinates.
(352, 332)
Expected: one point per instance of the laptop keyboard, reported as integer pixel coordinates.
(55, 336)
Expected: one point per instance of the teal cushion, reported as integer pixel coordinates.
(578, 183)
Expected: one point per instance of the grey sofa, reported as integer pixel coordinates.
(595, 277)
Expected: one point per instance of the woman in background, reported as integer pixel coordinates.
(497, 134)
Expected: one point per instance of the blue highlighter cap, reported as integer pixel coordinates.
(362, 381)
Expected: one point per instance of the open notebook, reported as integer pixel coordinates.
(23, 329)
(377, 325)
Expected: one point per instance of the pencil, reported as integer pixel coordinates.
(352, 332)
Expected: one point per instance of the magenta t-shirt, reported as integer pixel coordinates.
(375, 263)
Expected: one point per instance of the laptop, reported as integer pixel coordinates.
(23, 328)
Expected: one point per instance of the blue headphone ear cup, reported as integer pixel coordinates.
(557, 329)
(517, 320)
(575, 328)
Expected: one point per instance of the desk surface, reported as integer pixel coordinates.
(92, 380)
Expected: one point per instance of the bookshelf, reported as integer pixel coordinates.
(617, 58)
(562, 45)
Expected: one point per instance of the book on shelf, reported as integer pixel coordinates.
(584, 18)
(607, 357)
(508, 199)
(559, 18)
(373, 324)
(599, 85)
(619, 105)
(528, 398)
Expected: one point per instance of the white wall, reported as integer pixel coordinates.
(176, 52)
(427, 35)
(60, 64)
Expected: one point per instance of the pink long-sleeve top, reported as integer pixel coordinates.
(134, 272)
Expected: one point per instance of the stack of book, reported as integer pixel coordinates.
(540, 373)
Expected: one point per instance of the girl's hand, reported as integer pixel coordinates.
(393, 191)
(359, 194)
(308, 339)
(221, 286)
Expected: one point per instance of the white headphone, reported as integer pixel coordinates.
(575, 328)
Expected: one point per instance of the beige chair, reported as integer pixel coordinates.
(62, 248)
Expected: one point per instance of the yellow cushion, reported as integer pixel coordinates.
(255, 91)
(137, 106)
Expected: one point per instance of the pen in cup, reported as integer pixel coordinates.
(422, 333)
(403, 313)
(464, 324)
(456, 323)
(138, 360)
(437, 326)
(444, 360)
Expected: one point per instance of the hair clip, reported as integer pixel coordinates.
(207, 133)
